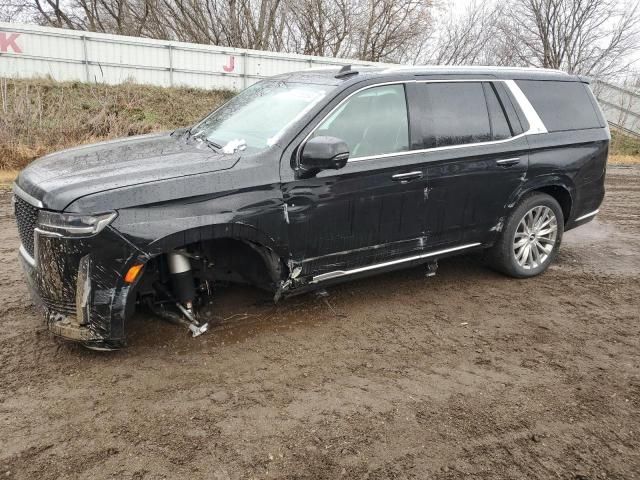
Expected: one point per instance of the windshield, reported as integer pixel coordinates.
(259, 115)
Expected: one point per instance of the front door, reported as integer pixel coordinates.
(371, 210)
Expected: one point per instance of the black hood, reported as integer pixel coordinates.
(60, 178)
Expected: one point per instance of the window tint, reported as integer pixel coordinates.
(500, 128)
(561, 105)
(372, 122)
(451, 114)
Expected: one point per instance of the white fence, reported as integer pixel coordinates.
(621, 106)
(29, 51)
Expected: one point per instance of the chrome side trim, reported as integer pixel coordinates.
(536, 126)
(508, 160)
(438, 149)
(408, 175)
(30, 260)
(535, 123)
(590, 214)
(342, 273)
(26, 197)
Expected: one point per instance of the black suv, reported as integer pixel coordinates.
(307, 179)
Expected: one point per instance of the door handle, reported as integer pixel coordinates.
(405, 177)
(507, 162)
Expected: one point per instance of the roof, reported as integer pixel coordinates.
(327, 75)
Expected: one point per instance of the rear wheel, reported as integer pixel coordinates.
(531, 237)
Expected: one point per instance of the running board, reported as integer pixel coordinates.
(342, 273)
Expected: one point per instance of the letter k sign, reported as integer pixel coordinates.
(8, 41)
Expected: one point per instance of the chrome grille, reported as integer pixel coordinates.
(66, 308)
(26, 218)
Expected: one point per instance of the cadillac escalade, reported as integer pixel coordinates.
(307, 179)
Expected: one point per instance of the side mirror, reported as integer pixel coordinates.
(324, 153)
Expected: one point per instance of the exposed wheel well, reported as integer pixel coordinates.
(231, 260)
(243, 261)
(562, 196)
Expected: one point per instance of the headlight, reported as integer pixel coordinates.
(72, 224)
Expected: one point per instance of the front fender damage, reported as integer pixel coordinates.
(79, 283)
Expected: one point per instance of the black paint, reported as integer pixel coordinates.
(257, 211)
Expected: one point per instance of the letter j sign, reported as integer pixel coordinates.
(8, 41)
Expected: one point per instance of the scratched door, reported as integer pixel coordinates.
(475, 156)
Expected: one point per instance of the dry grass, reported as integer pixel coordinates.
(624, 159)
(40, 116)
(7, 177)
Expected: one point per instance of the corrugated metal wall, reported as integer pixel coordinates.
(29, 51)
(621, 106)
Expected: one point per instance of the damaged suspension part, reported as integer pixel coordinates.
(183, 292)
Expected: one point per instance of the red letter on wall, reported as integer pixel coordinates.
(232, 65)
(9, 41)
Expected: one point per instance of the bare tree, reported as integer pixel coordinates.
(321, 27)
(591, 37)
(391, 30)
(470, 37)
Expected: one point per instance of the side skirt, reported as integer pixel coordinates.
(343, 273)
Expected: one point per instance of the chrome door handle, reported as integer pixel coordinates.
(507, 162)
(405, 177)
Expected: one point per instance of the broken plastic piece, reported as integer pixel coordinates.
(432, 268)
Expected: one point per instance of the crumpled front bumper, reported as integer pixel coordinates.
(79, 284)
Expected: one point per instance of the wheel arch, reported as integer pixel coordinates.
(235, 239)
(558, 187)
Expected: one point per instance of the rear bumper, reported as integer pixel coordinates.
(79, 285)
(588, 199)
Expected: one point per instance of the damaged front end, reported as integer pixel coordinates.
(75, 267)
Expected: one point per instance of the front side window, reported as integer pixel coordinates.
(372, 122)
(259, 115)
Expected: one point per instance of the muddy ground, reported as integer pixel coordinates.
(465, 375)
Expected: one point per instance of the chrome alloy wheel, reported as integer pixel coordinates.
(535, 237)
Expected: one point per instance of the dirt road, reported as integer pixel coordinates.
(465, 375)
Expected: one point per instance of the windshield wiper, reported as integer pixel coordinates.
(203, 138)
(213, 144)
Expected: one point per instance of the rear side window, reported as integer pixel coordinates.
(372, 122)
(561, 105)
(449, 114)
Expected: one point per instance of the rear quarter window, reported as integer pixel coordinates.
(562, 105)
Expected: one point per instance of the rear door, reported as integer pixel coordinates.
(475, 157)
(371, 210)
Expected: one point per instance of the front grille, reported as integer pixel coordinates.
(59, 306)
(26, 218)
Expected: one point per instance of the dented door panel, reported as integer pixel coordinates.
(356, 216)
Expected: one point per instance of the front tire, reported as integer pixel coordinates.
(531, 237)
